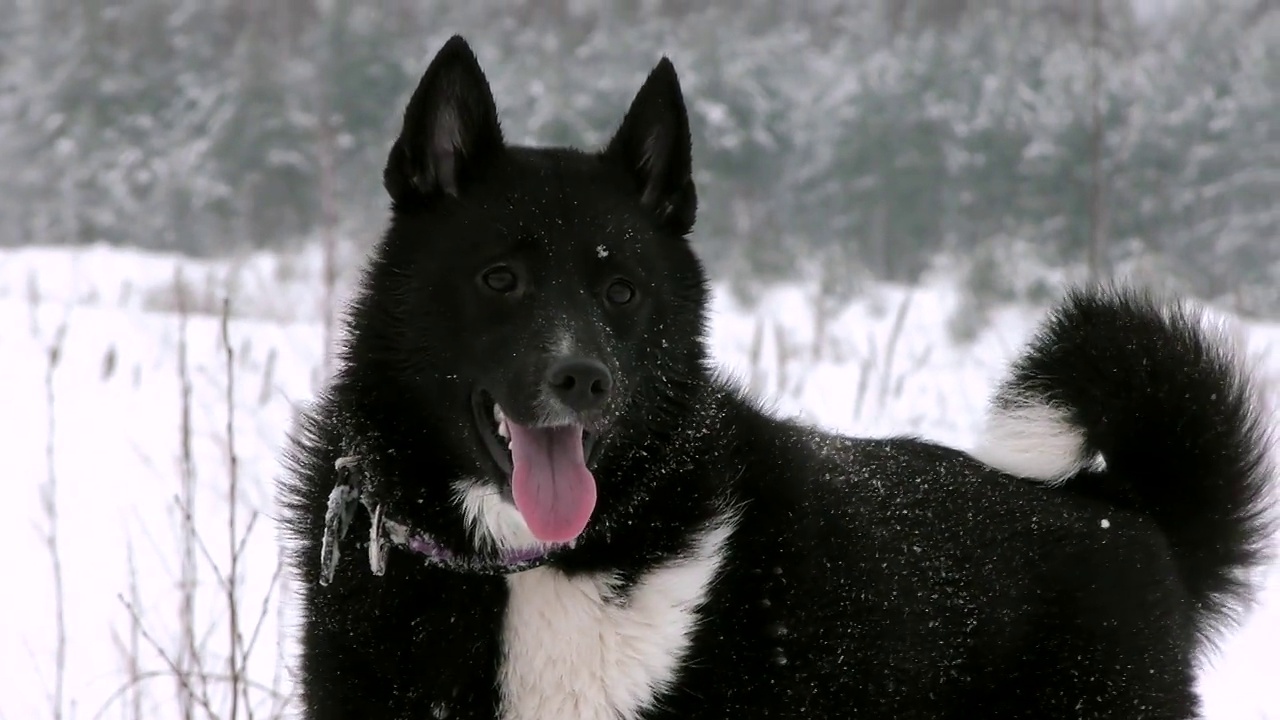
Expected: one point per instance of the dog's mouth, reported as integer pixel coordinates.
(547, 466)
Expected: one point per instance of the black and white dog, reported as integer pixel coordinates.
(526, 494)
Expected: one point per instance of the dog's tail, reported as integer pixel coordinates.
(1139, 403)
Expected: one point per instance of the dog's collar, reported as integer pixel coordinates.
(352, 490)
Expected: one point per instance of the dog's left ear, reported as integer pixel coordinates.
(654, 146)
(450, 128)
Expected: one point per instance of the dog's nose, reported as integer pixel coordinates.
(581, 384)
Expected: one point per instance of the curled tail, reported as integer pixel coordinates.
(1138, 402)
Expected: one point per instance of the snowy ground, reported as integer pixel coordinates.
(117, 449)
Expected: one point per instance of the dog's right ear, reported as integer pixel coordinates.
(654, 147)
(450, 128)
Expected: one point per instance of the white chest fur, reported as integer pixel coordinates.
(575, 649)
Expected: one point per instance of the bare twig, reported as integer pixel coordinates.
(129, 654)
(891, 348)
(188, 655)
(135, 637)
(197, 697)
(865, 369)
(197, 542)
(228, 692)
(262, 616)
(278, 707)
(149, 675)
(236, 658)
(49, 501)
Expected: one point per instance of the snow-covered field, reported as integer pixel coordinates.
(113, 399)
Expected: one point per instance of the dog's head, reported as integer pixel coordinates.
(541, 305)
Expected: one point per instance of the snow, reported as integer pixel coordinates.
(883, 364)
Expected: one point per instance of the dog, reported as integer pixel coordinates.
(527, 494)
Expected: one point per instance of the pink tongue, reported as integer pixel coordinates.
(550, 482)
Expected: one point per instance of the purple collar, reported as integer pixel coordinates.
(384, 533)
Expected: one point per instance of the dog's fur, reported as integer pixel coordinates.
(737, 565)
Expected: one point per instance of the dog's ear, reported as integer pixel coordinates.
(450, 128)
(654, 146)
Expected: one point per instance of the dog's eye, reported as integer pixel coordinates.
(620, 292)
(500, 279)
